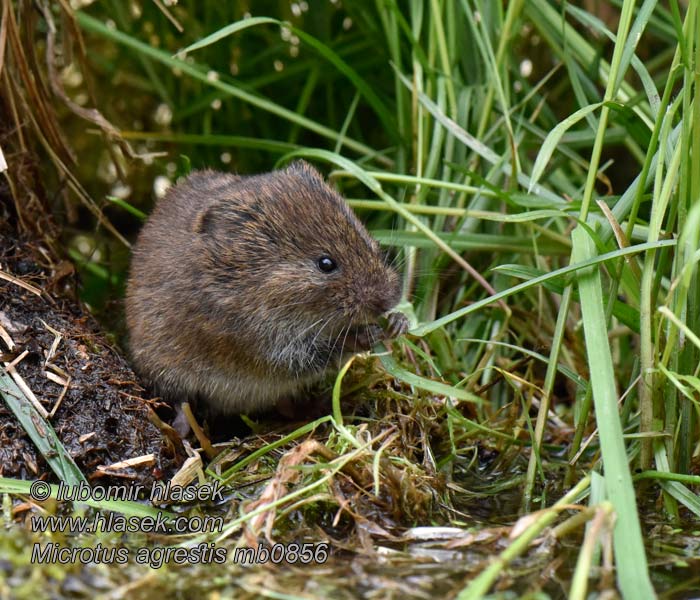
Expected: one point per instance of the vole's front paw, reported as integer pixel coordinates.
(396, 325)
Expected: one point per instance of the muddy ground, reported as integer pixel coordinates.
(103, 416)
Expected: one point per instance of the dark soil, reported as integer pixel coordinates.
(103, 418)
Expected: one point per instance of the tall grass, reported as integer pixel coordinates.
(537, 167)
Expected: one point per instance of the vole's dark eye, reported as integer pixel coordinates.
(326, 264)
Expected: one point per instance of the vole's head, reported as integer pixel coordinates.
(292, 245)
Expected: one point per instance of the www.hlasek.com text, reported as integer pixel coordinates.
(118, 523)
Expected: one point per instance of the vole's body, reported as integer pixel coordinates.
(227, 300)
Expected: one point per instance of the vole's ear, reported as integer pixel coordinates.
(304, 168)
(205, 221)
(205, 190)
(222, 218)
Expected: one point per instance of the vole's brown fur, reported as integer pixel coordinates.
(226, 301)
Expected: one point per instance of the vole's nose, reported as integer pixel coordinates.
(382, 299)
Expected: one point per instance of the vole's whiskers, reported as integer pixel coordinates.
(398, 261)
(288, 354)
(372, 339)
(342, 346)
(300, 334)
(312, 345)
(333, 347)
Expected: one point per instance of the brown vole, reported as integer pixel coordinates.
(243, 290)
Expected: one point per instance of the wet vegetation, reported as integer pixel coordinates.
(534, 167)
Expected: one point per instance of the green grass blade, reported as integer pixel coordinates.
(220, 34)
(552, 141)
(132, 210)
(632, 573)
(426, 328)
(40, 431)
(210, 139)
(436, 387)
(485, 242)
(480, 585)
(675, 488)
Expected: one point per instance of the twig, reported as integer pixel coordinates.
(17, 281)
(169, 15)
